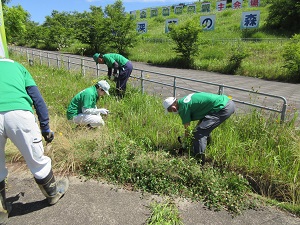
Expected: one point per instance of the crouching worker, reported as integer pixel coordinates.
(17, 122)
(82, 109)
(210, 109)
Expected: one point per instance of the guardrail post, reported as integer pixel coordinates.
(48, 60)
(69, 63)
(82, 67)
(174, 87)
(27, 55)
(283, 112)
(41, 59)
(97, 70)
(142, 81)
(57, 61)
(221, 89)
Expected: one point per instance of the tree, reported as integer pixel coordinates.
(96, 30)
(15, 22)
(33, 35)
(284, 15)
(186, 37)
(60, 31)
(5, 1)
(120, 28)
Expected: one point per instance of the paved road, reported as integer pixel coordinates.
(202, 81)
(99, 203)
(291, 92)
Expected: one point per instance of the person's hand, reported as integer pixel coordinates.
(48, 136)
(116, 75)
(103, 111)
(183, 142)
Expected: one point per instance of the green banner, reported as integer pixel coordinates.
(3, 44)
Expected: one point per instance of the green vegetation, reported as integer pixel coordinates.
(165, 213)
(138, 148)
(262, 52)
(186, 36)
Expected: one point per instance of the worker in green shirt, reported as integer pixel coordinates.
(19, 93)
(82, 109)
(210, 109)
(119, 68)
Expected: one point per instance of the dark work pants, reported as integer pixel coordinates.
(124, 74)
(207, 124)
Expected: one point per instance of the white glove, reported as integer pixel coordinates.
(116, 75)
(103, 111)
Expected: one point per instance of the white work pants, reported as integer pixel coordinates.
(21, 128)
(88, 119)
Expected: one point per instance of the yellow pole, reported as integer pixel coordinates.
(3, 44)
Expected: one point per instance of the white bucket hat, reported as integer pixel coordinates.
(168, 102)
(104, 86)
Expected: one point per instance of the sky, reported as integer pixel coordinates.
(39, 9)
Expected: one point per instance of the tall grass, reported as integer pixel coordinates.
(138, 148)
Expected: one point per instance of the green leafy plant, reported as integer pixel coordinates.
(291, 56)
(186, 37)
(235, 61)
(164, 213)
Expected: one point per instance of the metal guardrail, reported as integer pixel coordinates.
(176, 83)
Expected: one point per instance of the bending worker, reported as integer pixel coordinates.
(17, 122)
(210, 109)
(119, 67)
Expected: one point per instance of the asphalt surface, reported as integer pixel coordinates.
(98, 203)
(91, 202)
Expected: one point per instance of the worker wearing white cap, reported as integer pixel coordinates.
(82, 109)
(210, 109)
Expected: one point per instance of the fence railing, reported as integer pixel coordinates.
(156, 82)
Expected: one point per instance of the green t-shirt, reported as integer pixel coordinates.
(84, 99)
(197, 105)
(14, 78)
(110, 58)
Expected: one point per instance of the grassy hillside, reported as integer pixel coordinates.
(227, 49)
(227, 22)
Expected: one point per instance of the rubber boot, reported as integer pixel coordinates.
(53, 190)
(5, 208)
(200, 158)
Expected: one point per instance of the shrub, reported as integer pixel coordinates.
(291, 56)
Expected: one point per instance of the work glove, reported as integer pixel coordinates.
(182, 149)
(103, 111)
(116, 75)
(48, 136)
(183, 142)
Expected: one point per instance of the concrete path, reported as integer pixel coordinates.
(98, 203)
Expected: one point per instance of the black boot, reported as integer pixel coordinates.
(5, 208)
(200, 158)
(53, 190)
